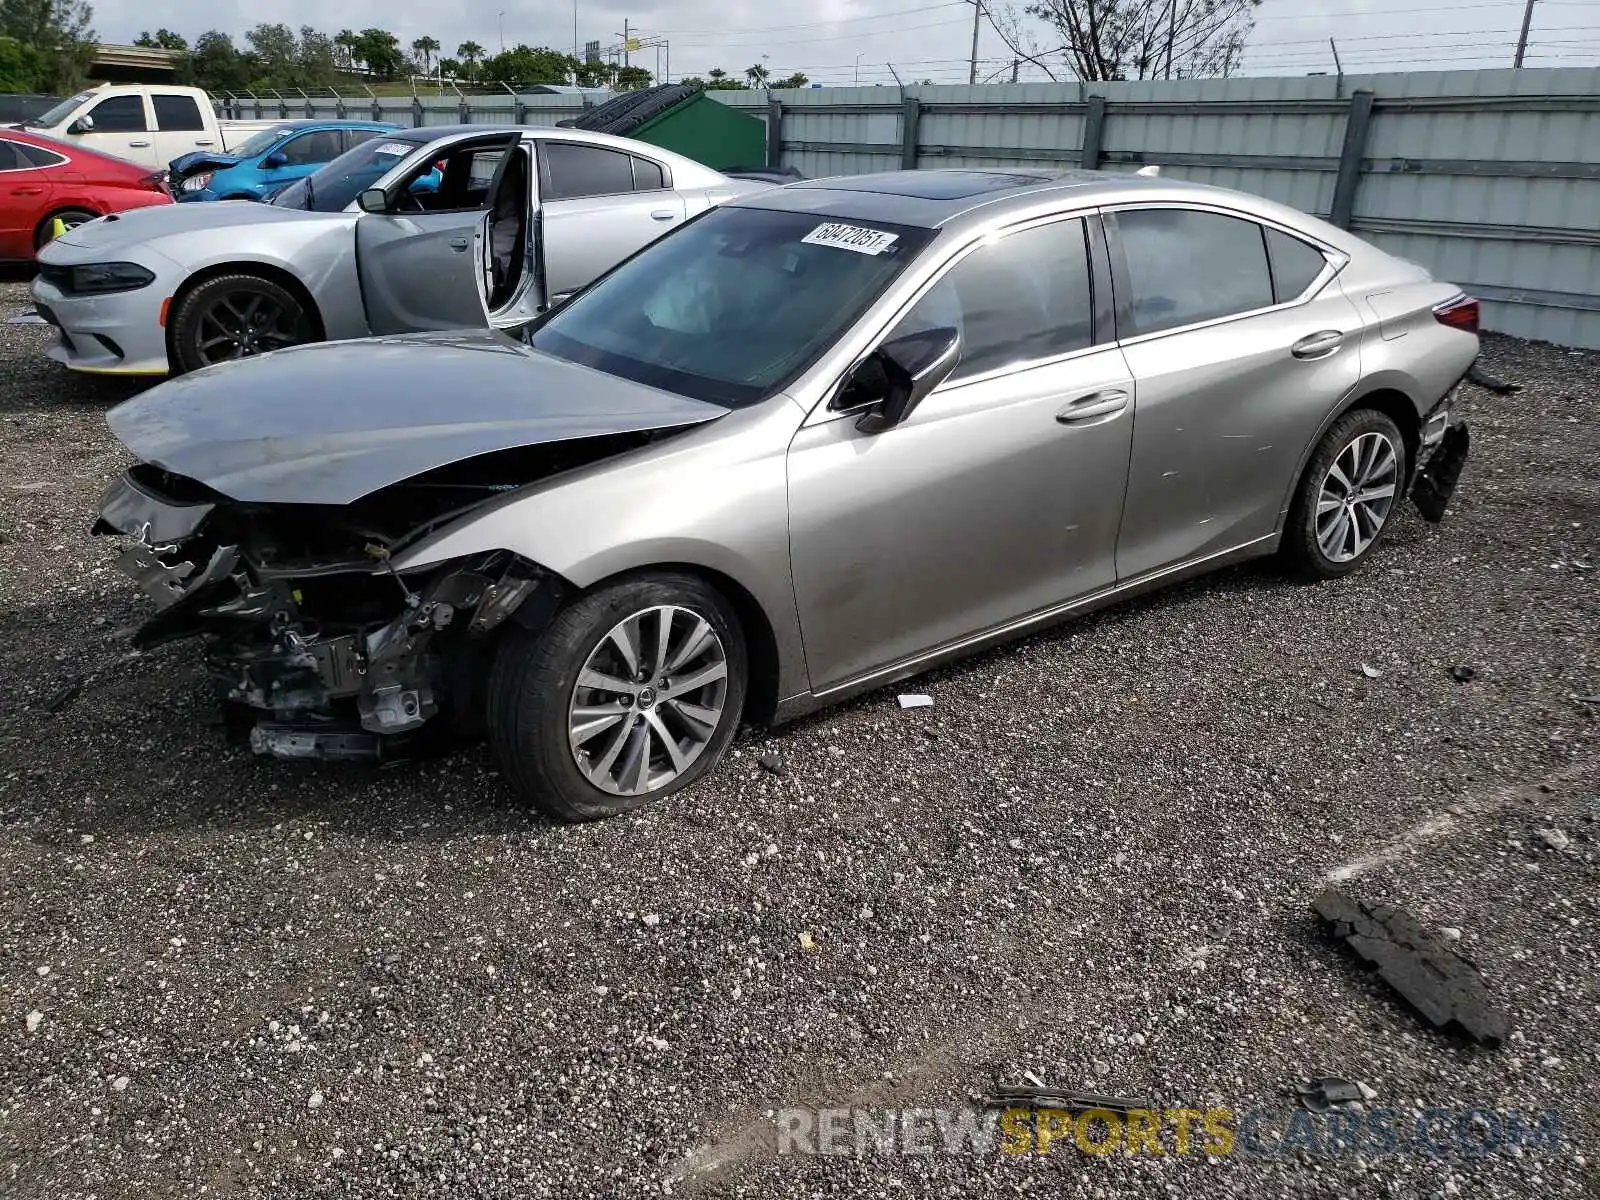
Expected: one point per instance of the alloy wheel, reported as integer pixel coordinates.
(243, 324)
(1356, 496)
(648, 700)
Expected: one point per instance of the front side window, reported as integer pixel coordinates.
(1016, 299)
(119, 114)
(572, 170)
(262, 141)
(310, 149)
(177, 114)
(733, 305)
(1186, 266)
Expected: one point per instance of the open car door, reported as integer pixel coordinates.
(508, 248)
(416, 257)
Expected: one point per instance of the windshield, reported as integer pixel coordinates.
(259, 143)
(734, 305)
(333, 187)
(60, 112)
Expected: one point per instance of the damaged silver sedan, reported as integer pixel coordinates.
(815, 441)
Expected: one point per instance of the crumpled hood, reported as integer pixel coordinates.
(201, 160)
(331, 422)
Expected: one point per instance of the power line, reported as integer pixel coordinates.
(899, 12)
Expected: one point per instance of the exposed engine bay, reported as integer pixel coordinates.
(314, 642)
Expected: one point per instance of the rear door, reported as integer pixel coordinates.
(180, 126)
(1239, 346)
(122, 128)
(24, 199)
(416, 262)
(598, 205)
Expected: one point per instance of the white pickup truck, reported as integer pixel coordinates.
(145, 123)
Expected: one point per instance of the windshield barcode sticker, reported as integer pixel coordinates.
(851, 237)
(399, 148)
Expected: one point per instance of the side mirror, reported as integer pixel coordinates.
(373, 200)
(898, 376)
(84, 124)
(276, 159)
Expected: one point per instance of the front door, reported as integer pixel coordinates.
(599, 206)
(299, 157)
(416, 261)
(998, 498)
(1226, 406)
(122, 129)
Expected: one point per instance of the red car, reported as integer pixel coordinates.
(42, 179)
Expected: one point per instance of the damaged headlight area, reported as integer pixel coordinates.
(313, 641)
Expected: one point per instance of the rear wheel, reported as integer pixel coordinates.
(1347, 496)
(236, 316)
(70, 218)
(630, 694)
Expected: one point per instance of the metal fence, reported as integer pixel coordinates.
(1491, 179)
(491, 108)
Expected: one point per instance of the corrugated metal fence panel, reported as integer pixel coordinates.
(1491, 179)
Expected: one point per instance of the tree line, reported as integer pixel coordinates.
(45, 45)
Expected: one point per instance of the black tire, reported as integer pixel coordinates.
(227, 299)
(1303, 548)
(42, 236)
(535, 676)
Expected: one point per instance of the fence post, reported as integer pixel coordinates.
(774, 132)
(416, 112)
(1356, 125)
(1094, 125)
(910, 118)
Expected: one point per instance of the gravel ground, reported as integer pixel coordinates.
(1092, 859)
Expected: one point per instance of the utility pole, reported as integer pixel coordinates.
(977, 15)
(1016, 65)
(625, 41)
(1172, 34)
(502, 20)
(1522, 40)
(575, 29)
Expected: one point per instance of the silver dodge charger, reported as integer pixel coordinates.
(387, 238)
(817, 440)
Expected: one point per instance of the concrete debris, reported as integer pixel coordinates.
(1332, 1094)
(1439, 983)
(916, 701)
(1556, 839)
(1370, 671)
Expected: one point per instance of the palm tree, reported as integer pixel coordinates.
(757, 75)
(472, 54)
(347, 41)
(425, 46)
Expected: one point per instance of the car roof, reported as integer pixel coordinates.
(694, 174)
(957, 198)
(327, 123)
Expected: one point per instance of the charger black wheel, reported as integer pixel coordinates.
(1348, 495)
(628, 695)
(236, 316)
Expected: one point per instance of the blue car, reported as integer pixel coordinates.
(268, 160)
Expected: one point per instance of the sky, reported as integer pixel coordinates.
(839, 42)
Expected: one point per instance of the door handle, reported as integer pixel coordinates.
(1318, 345)
(663, 214)
(1095, 404)
(138, 145)
(27, 191)
(204, 142)
(460, 244)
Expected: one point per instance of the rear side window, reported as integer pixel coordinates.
(310, 149)
(1294, 265)
(1020, 299)
(648, 176)
(354, 137)
(177, 114)
(119, 114)
(1186, 266)
(38, 156)
(572, 170)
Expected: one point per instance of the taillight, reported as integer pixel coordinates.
(1460, 313)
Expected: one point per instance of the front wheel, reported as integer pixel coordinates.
(628, 695)
(236, 316)
(1347, 496)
